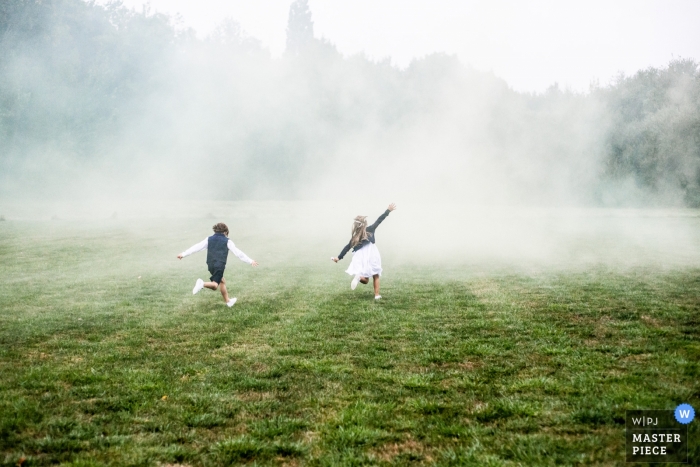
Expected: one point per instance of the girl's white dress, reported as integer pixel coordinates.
(366, 262)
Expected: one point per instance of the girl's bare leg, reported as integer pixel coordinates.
(376, 284)
(364, 280)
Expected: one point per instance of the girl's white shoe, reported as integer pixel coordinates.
(355, 280)
(231, 302)
(377, 297)
(199, 285)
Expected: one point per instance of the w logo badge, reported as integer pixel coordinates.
(684, 413)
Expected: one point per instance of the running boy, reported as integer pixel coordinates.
(217, 247)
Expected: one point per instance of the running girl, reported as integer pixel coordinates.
(217, 246)
(366, 261)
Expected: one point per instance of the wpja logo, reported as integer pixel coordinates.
(658, 435)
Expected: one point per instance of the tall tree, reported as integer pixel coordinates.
(300, 28)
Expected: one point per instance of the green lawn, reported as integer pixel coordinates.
(106, 358)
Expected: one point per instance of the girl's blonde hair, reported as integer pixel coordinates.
(359, 230)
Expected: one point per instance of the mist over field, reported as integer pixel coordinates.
(111, 113)
(106, 102)
(540, 276)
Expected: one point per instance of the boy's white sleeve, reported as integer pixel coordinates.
(197, 247)
(242, 256)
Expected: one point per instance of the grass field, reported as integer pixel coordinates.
(107, 359)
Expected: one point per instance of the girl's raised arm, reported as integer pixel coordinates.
(372, 227)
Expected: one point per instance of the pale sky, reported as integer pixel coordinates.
(531, 44)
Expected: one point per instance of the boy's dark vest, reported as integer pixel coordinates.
(217, 251)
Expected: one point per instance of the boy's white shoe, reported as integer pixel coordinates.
(377, 297)
(231, 302)
(199, 285)
(355, 280)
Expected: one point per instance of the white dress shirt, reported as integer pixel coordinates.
(205, 243)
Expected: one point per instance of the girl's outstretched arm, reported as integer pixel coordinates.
(373, 227)
(343, 252)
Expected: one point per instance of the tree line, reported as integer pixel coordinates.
(128, 100)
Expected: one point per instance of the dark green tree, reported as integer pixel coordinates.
(654, 138)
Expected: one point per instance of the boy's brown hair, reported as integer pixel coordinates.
(220, 228)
